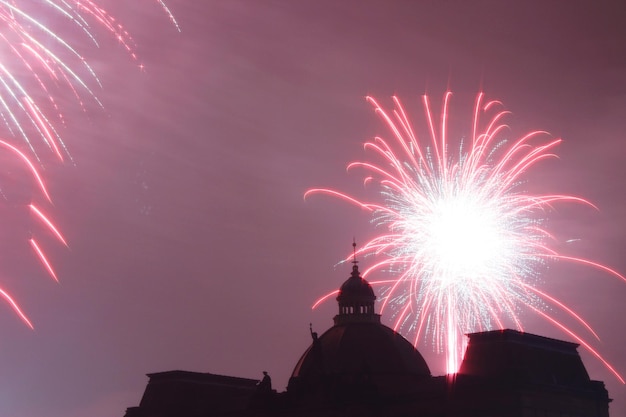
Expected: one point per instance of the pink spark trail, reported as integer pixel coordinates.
(463, 243)
(42, 64)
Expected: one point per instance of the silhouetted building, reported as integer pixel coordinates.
(360, 367)
(186, 394)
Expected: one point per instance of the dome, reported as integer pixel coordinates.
(356, 300)
(358, 353)
(355, 286)
(353, 348)
(365, 360)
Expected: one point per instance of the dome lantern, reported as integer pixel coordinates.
(356, 299)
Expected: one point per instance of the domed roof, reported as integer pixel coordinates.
(356, 287)
(361, 347)
(358, 351)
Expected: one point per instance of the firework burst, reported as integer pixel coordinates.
(38, 64)
(463, 244)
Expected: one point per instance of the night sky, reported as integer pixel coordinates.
(191, 246)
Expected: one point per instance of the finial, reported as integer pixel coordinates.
(354, 261)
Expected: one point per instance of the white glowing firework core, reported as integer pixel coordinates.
(463, 237)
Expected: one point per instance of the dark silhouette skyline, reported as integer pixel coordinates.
(360, 367)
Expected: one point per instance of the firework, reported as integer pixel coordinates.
(463, 244)
(41, 60)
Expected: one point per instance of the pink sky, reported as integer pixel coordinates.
(191, 246)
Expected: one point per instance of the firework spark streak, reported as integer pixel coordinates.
(463, 242)
(39, 63)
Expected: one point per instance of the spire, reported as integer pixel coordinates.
(355, 267)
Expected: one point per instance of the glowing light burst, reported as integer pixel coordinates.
(462, 242)
(38, 62)
(40, 65)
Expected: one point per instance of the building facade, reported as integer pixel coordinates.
(360, 367)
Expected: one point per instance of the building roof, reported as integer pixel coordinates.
(355, 286)
(354, 348)
(524, 357)
(359, 348)
(360, 367)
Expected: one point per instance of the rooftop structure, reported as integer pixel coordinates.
(360, 367)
